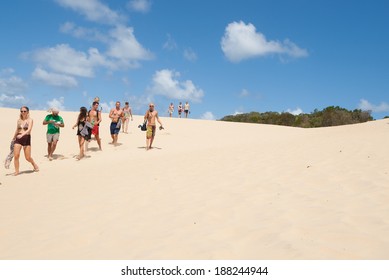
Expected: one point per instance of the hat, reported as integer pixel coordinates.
(55, 110)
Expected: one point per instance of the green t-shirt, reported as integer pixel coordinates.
(51, 128)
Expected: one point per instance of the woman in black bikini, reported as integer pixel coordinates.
(22, 138)
(83, 131)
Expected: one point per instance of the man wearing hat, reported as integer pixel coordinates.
(54, 122)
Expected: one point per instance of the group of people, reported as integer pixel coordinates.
(87, 124)
(180, 109)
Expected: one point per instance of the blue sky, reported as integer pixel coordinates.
(223, 56)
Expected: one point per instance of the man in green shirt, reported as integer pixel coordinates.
(54, 122)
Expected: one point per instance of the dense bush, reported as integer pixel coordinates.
(330, 116)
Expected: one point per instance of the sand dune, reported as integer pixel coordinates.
(208, 190)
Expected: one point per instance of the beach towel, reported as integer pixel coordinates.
(10, 156)
(86, 129)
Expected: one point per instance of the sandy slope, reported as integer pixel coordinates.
(208, 190)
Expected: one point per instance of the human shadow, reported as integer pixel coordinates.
(58, 156)
(21, 172)
(152, 148)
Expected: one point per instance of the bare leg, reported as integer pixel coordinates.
(17, 149)
(151, 142)
(27, 155)
(53, 147)
(98, 139)
(49, 151)
(81, 142)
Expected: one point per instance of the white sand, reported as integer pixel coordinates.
(208, 190)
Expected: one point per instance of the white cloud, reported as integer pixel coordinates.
(367, 106)
(165, 83)
(295, 112)
(125, 47)
(94, 10)
(142, 6)
(244, 93)
(11, 88)
(242, 41)
(107, 106)
(208, 116)
(190, 55)
(56, 103)
(66, 60)
(237, 113)
(6, 71)
(83, 33)
(53, 79)
(170, 44)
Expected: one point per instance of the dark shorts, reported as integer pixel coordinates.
(24, 141)
(114, 128)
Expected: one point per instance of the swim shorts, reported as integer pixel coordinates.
(114, 128)
(150, 131)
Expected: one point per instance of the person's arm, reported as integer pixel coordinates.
(99, 116)
(111, 114)
(60, 123)
(28, 131)
(159, 121)
(30, 124)
(146, 116)
(47, 121)
(130, 113)
(16, 131)
(75, 125)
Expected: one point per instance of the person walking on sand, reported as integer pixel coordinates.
(150, 117)
(186, 109)
(179, 109)
(53, 122)
(171, 109)
(22, 138)
(95, 119)
(127, 115)
(84, 130)
(116, 115)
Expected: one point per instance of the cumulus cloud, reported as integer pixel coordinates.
(295, 112)
(53, 79)
(208, 116)
(125, 46)
(142, 6)
(93, 10)
(367, 106)
(12, 88)
(242, 41)
(64, 59)
(79, 32)
(166, 83)
(56, 103)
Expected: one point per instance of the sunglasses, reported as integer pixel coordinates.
(23, 111)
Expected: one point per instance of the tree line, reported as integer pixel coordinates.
(330, 116)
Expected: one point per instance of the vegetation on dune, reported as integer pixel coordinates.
(330, 116)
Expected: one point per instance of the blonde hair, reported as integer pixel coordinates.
(27, 115)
